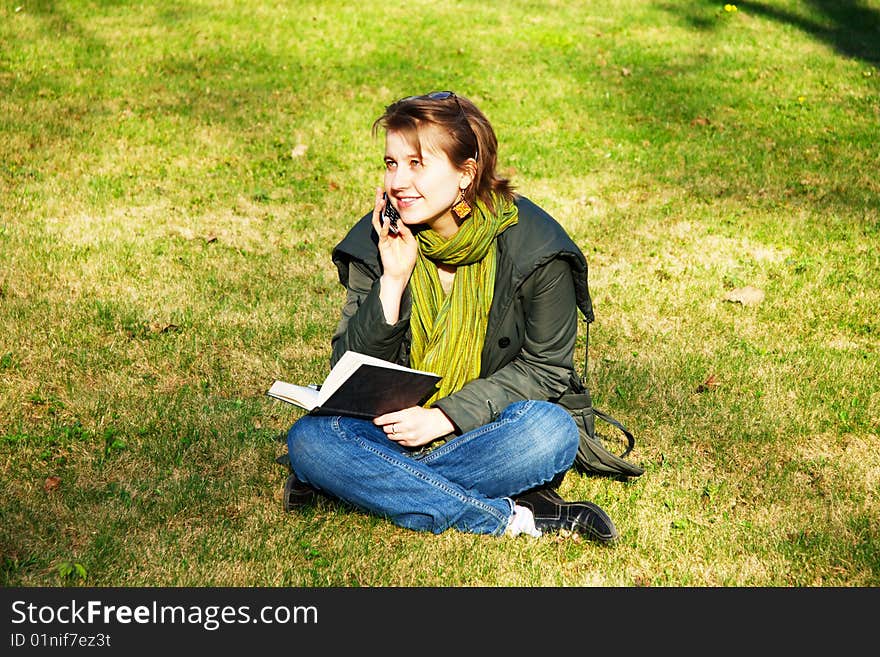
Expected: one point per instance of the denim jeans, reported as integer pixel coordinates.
(466, 483)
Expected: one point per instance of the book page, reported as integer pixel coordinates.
(303, 396)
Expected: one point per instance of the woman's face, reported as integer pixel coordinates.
(423, 188)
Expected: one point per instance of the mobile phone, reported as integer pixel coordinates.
(391, 215)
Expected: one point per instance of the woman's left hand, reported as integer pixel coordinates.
(415, 426)
(397, 251)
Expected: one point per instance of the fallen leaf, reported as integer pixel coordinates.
(747, 296)
(158, 327)
(51, 483)
(625, 72)
(210, 237)
(701, 120)
(710, 383)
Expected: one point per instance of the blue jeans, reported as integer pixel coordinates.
(466, 483)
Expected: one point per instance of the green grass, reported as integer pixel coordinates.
(174, 175)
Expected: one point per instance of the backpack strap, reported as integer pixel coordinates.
(630, 439)
(586, 349)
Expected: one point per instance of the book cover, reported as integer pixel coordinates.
(360, 386)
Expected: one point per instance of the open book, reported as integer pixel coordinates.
(360, 386)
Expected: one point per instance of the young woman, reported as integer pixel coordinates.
(482, 287)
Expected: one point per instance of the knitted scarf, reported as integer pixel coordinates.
(448, 330)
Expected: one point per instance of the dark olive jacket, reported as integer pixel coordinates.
(528, 352)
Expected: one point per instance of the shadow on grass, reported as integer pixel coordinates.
(848, 26)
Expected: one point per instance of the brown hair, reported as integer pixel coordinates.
(465, 133)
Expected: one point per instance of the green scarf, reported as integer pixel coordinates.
(448, 330)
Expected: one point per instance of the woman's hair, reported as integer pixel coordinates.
(464, 133)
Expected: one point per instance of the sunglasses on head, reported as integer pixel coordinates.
(434, 95)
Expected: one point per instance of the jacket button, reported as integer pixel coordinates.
(504, 342)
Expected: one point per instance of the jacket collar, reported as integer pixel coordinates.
(532, 241)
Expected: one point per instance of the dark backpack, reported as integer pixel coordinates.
(592, 456)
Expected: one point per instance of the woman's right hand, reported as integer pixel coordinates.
(398, 253)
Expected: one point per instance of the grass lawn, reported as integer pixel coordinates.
(173, 177)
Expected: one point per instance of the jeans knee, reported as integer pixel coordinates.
(559, 427)
(302, 440)
(571, 428)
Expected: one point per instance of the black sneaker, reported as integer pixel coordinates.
(296, 493)
(553, 513)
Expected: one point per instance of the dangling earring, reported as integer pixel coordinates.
(462, 208)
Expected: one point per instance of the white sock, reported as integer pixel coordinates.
(522, 522)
